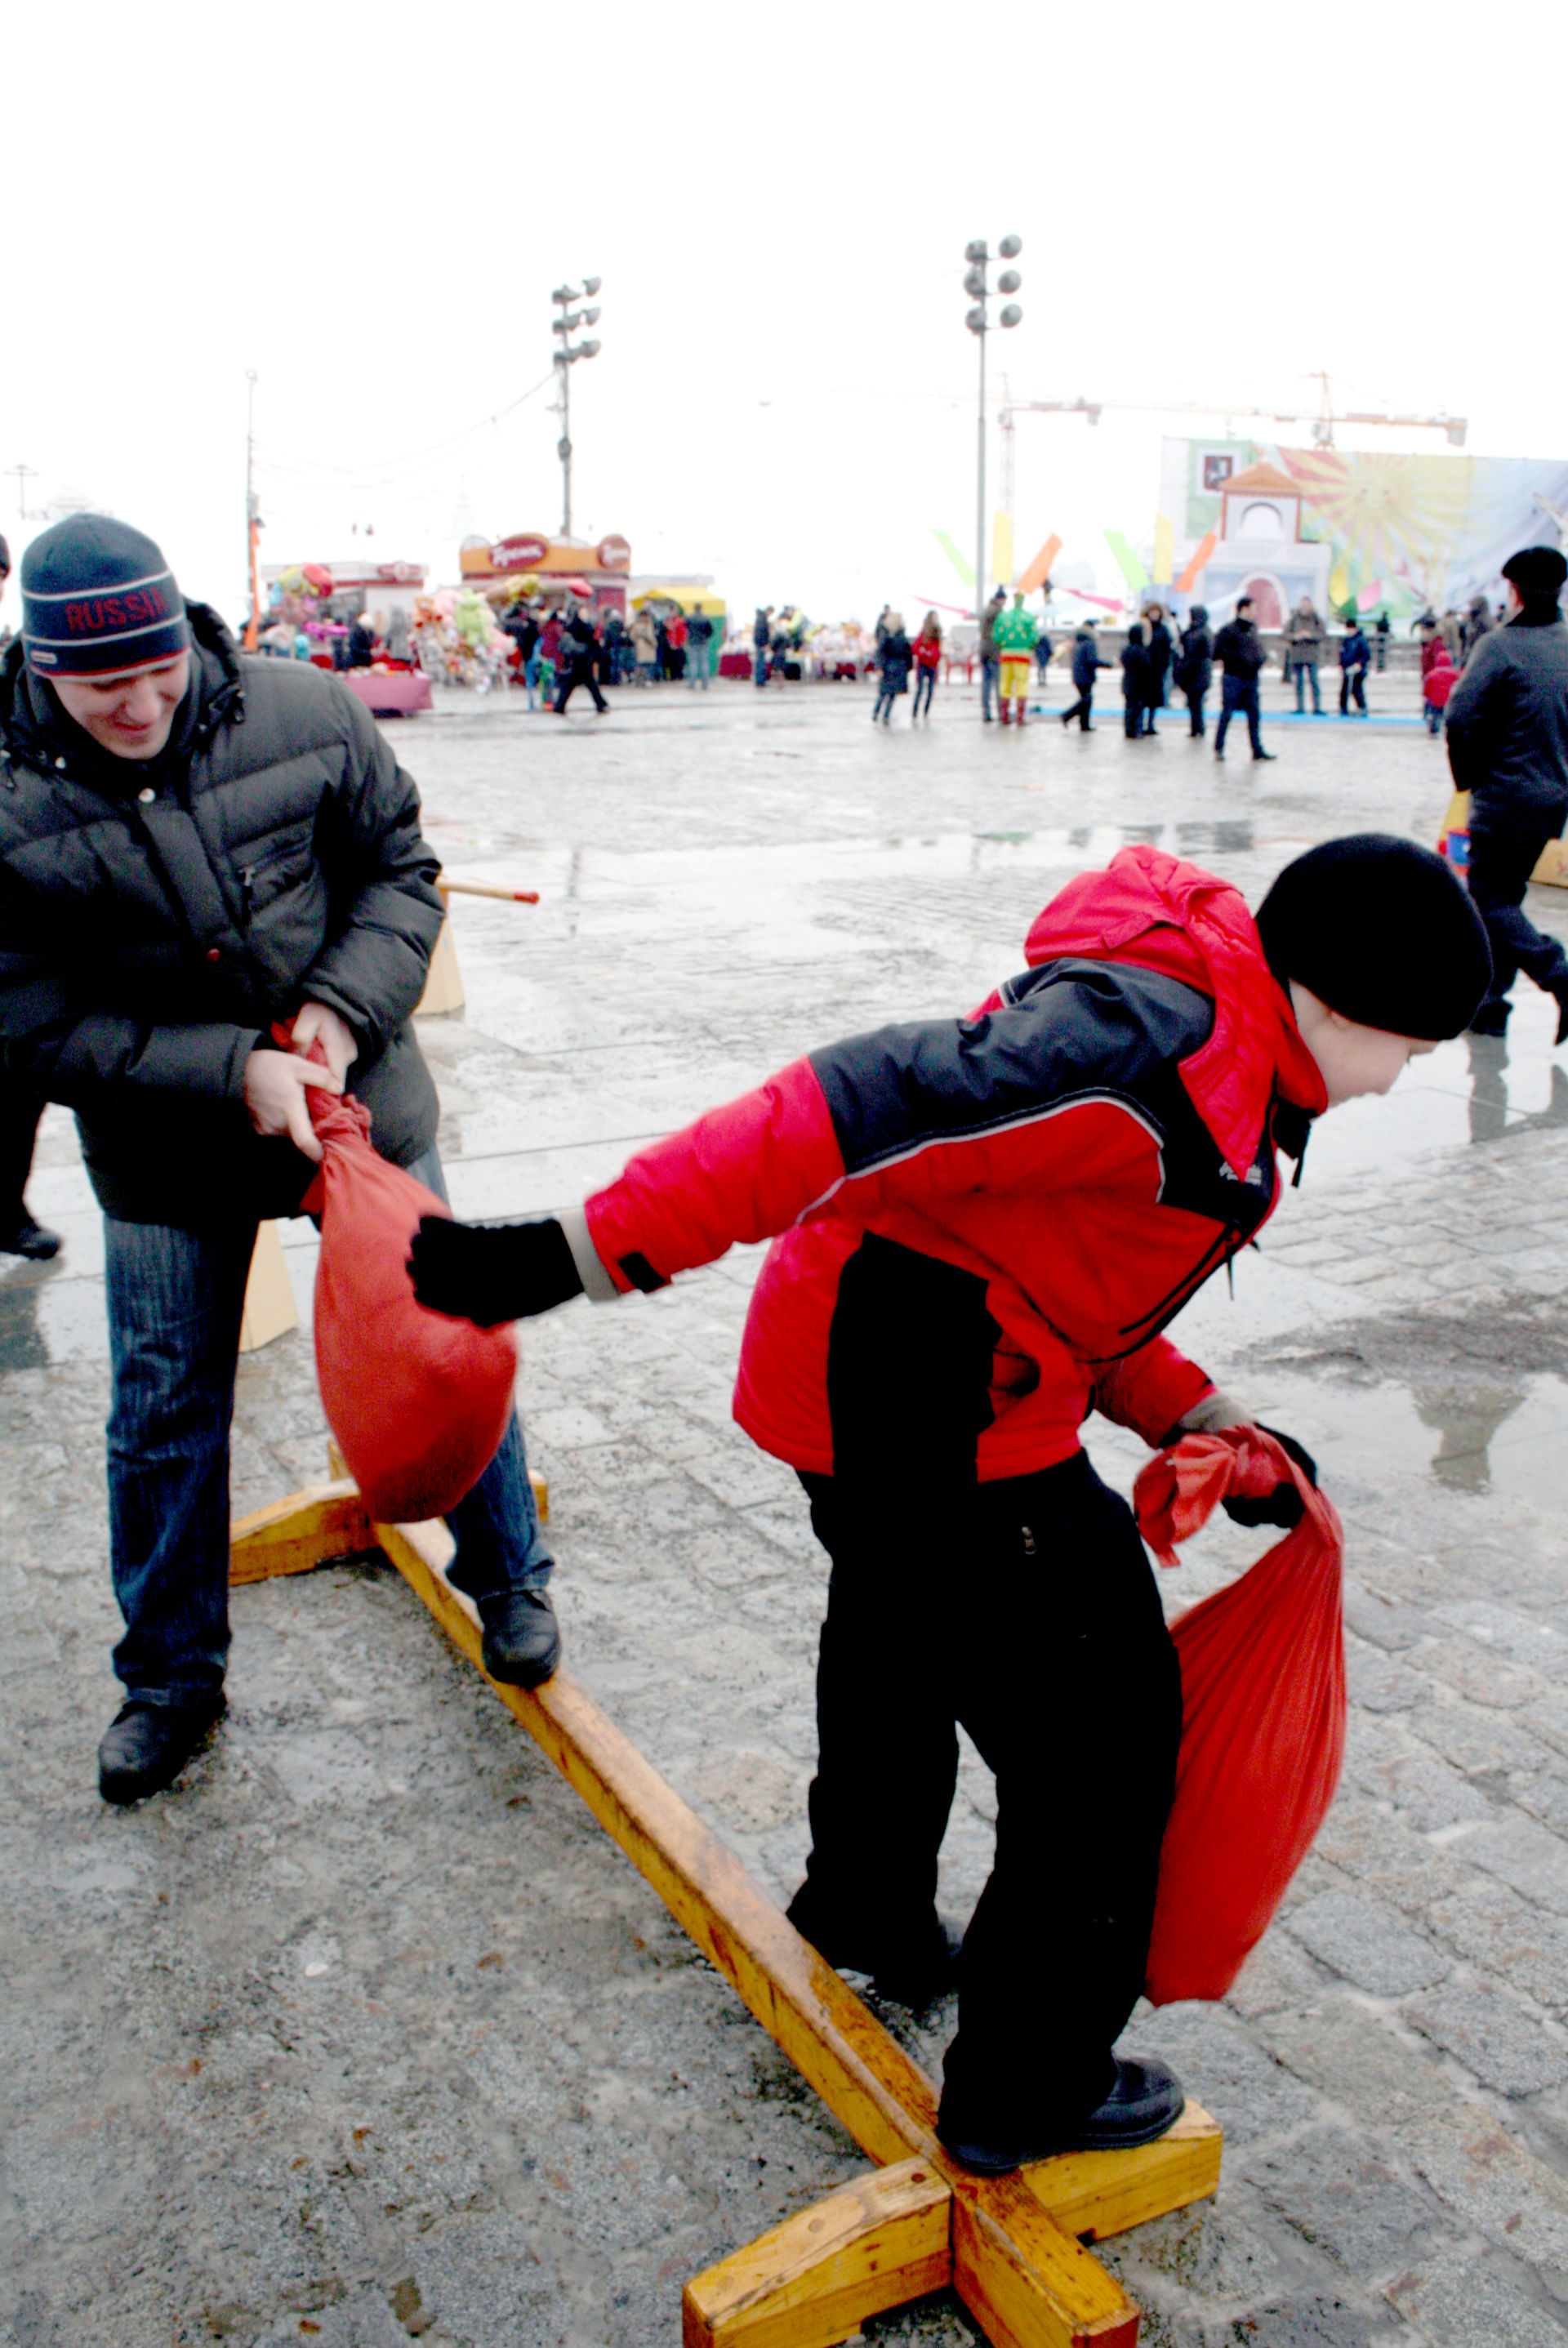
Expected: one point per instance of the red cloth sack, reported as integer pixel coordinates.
(1262, 1712)
(419, 1402)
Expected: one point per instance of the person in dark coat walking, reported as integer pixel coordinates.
(895, 660)
(1239, 649)
(1355, 659)
(1508, 747)
(193, 847)
(361, 642)
(20, 1110)
(761, 635)
(1134, 681)
(1157, 637)
(1086, 665)
(579, 657)
(1195, 666)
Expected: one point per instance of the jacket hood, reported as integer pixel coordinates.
(35, 732)
(1174, 918)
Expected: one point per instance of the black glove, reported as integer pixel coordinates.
(1284, 1506)
(492, 1272)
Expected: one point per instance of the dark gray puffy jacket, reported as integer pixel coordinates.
(156, 916)
(1507, 723)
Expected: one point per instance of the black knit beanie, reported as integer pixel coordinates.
(1381, 930)
(97, 600)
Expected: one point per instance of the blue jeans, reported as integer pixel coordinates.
(990, 677)
(1307, 669)
(175, 1299)
(1238, 693)
(530, 677)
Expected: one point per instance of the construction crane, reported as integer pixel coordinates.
(1323, 418)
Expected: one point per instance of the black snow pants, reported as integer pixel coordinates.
(1027, 1611)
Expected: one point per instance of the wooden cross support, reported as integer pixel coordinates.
(1014, 2247)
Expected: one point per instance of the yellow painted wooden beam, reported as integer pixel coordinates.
(1104, 2193)
(1009, 2245)
(295, 1534)
(812, 2281)
(338, 1466)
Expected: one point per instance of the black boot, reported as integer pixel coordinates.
(1491, 1019)
(522, 1638)
(1561, 992)
(1146, 2101)
(23, 1236)
(913, 1968)
(146, 1746)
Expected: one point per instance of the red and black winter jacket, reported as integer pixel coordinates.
(980, 1226)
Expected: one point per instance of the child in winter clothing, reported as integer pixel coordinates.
(980, 1228)
(1086, 665)
(1437, 680)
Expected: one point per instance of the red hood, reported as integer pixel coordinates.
(1153, 910)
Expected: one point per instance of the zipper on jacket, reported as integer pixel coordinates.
(247, 878)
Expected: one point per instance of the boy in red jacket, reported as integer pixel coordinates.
(980, 1227)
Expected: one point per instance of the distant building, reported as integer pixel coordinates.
(1261, 550)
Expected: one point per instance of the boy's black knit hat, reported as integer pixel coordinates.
(1381, 930)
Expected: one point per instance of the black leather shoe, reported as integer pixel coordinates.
(914, 1970)
(522, 1637)
(1491, 1019)
(1260, 755)
(25, 1237)
(146, 1746)
(1146, 2101)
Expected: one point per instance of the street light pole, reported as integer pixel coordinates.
(977, 286)
(253, 523)
(567, 357)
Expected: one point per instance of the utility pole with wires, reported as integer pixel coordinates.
(22, 474)
(253, 515)
(566, 325)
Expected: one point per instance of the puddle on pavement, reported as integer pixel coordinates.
(1503, 1439)
(1477, 1403)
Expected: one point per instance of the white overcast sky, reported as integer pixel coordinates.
(369, 206)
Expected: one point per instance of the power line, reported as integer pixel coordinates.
(357, 476)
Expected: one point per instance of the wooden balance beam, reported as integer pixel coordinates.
(1014, 2247)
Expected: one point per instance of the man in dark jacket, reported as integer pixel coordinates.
(1156, 642)
(1195, 665)
(1086, 665)
(1508, 747)
(579, 654)
(20, 1109)
(194, 846)
(1239, 649)
(1355, 659)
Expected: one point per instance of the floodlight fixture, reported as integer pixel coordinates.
(1010, 247)
(1008, 281)
(1011, 314)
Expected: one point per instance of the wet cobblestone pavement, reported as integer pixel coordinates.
(364, 2032)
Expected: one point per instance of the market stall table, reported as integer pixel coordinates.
(390, 693)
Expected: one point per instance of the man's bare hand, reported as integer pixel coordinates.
(275, 1085)
(317, 1021)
